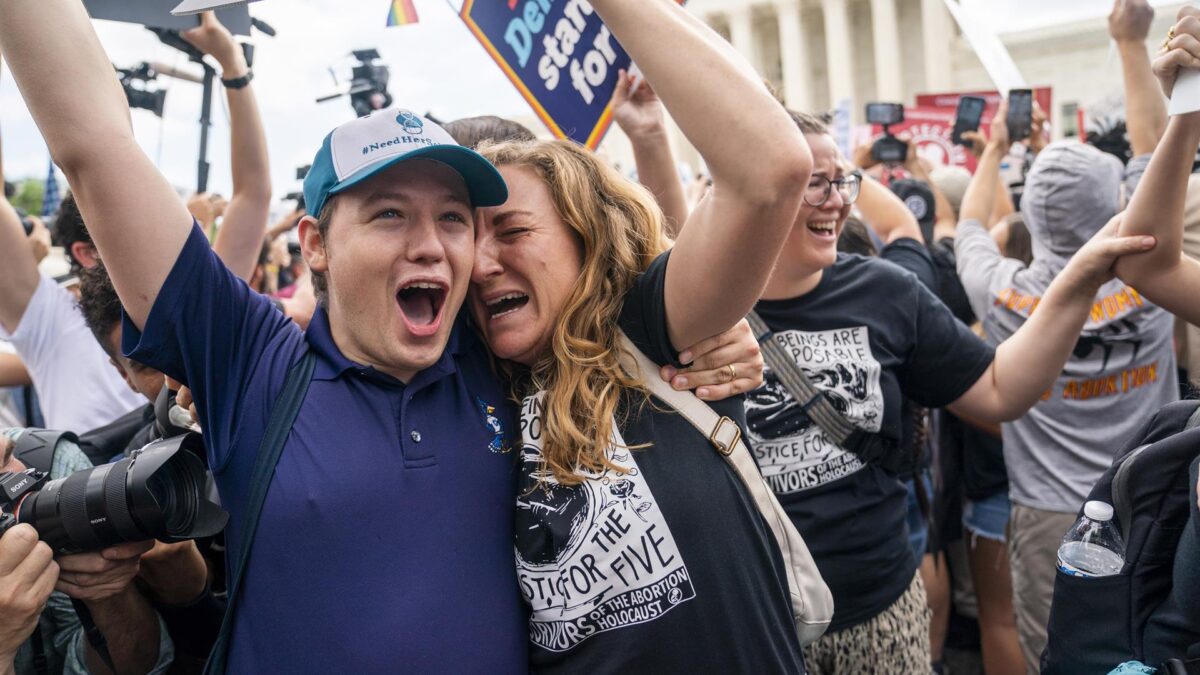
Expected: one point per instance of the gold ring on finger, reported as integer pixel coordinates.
(732, 373)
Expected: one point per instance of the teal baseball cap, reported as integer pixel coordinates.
(361, 148)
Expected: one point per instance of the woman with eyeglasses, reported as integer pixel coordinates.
(868, 334)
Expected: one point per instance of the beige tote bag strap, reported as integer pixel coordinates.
(811, 600)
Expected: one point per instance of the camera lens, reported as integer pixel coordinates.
(157, 494)
(176, 493)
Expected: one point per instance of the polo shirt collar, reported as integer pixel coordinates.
(332, 364)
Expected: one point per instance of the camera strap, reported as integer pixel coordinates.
(283, 416)
(40, 665)
(870, 448)
(94, 636)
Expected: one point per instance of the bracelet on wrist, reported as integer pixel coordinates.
(239, 82)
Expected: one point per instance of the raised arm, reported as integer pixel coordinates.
(640, 116)
(133, 214)
(18, 267)
(1027, 363)
(1164, 275)
(980, 199)
(757, 157)
(239, 240)
(1145, 111)
(886, 213)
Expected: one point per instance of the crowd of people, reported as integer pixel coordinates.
(462, 426)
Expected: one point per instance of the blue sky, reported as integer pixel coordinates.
(436, 66)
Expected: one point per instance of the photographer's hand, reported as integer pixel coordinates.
(863, 157)
(175, 574)
(98, 576)
(104, 581)
(27, 576)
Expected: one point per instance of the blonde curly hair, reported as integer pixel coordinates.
(620, 227)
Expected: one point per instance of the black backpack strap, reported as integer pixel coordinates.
(35, 447)
(869, 447)
(283, 416)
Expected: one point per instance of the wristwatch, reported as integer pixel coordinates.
(239, 82)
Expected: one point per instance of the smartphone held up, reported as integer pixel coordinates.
(1020, 114)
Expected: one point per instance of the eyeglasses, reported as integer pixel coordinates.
(819, 188)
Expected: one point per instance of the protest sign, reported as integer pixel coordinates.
(988, 47)
(560, 56)
(157, 14)
(196, 6)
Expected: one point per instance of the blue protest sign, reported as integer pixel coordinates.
(559, 55)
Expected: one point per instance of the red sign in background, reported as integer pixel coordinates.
(931, 122)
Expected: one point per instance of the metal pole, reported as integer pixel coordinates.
(205, 122)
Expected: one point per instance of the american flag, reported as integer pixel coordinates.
(51, 197)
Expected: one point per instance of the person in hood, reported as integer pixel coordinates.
(868, 335)
(1121, 370)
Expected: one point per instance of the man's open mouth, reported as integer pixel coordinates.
(421, 305)
(506, 304)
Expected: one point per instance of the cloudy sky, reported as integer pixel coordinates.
(436, 66)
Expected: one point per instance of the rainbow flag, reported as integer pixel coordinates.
(402, 13)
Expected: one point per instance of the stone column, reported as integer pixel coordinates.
(937, 37)
(793, 52)
(741, 34)
(889, 77)
(839, 53)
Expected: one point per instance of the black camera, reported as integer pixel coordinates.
(888, 149)
(162, 491)
(134, 81)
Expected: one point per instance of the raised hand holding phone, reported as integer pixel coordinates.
(966, 118)
(1020, 114)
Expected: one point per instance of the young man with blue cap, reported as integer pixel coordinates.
(385, 541)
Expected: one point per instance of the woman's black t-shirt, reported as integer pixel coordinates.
(869, 335)
(666, 568)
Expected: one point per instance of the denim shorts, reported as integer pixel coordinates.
(918, 526)
(988, 517)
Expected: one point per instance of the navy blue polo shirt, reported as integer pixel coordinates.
(385, 543)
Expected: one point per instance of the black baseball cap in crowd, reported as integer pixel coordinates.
(918, 197)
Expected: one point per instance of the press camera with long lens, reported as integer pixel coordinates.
(162, 491)
(135, 81)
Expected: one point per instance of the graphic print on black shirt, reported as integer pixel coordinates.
(591, 557)
(793, 452)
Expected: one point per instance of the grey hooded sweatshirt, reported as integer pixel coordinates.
(1123, 367)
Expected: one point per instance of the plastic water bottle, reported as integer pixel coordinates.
(1093, 547)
